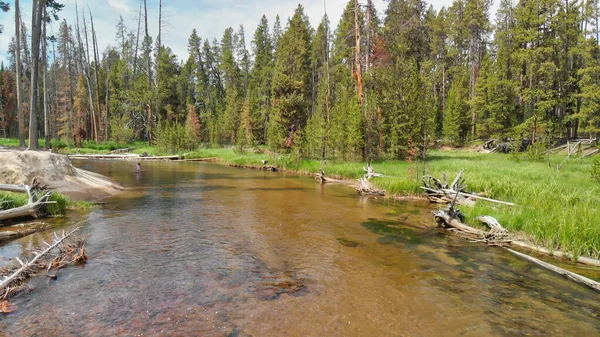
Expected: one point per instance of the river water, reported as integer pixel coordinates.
(199, 249)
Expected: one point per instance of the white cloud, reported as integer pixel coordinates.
(120, 5)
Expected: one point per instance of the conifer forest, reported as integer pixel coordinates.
(380, 85)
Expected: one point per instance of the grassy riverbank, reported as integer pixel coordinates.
(558, 208)
(60, 206)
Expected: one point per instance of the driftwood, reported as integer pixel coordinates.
(498, 236)
(364, 187)
(119, 151)
(370, 173)
(29, 264)
(33, 207)
(125, 157)
(18, 231)
(523, 244)
(568, 274)
(442, 192)
(322, 178)
(270, 168)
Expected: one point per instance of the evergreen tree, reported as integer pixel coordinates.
(291, 81)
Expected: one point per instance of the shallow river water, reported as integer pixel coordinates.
(198, 249)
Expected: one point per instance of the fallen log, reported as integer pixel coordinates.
(589, 154)
(498, 237)
(491, 221)
(568, 274)
(124, 157)
(469, 195)
(14, 232)
(119, 151)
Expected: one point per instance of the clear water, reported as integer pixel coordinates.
(197, 249)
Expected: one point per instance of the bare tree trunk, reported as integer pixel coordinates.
(359, 81)
(36, 23)
(149, 71)
(158, 52)
(137, 41)
(44, 73)
(89, 82)
(20, 112)
(95, 50)
(107, 101)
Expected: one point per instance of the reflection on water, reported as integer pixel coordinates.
(207, 250)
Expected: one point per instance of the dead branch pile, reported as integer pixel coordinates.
(499, 236)
(582, 148)
(441, 192)
(14, 277)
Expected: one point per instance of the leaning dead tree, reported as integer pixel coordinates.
(35, 205)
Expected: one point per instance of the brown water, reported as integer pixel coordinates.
(198, 249)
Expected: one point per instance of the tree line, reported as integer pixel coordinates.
(374, 87)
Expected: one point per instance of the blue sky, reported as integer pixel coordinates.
(209, 17)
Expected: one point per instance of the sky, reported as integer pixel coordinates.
(209, 17)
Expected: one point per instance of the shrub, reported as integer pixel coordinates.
(595, 171)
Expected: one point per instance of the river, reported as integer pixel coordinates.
(200, 249)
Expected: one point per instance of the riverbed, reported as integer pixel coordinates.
(202, 249)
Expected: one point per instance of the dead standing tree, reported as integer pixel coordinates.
(36, 32)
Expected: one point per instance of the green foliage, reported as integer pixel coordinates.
(60, 205)
(595, 170)
(537, 151)
(172, 138)
(121, 130)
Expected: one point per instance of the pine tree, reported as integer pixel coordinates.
(262, 74)
(291, 81)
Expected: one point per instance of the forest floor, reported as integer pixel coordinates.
(557, 199)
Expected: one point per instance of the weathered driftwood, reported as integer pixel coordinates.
(270, 168)
(370, 173)
(568, 274)
(31, 209)
(590, 153)
(364, 187)
(119, 151)
(491, 221)
(469, 195)
(125, 157)
(498, 236)
(17, 231)
(28, 264)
